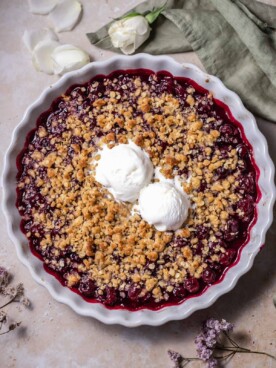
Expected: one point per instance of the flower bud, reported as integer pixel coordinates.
(129, 33)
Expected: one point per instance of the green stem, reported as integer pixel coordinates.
(231, 348)
(153, 15)
(3, 333)
(260, 352)
(184, 358)
(225, 356)
(244, 350)
(230, 339)
(9, 302)
(186, 361)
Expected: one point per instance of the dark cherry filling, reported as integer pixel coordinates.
(233, 237)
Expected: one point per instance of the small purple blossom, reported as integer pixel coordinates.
(212, 363)
(14, 291)
(204, 352)
(25, 301)
(3, 317)
(176, 358)
(20, 289)
(218, 326)
(13, 326)
(9, 291)
(4, 277)
(207, 339)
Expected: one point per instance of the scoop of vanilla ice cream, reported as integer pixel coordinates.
(124, 170)
(163, 205)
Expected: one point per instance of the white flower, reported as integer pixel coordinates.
(129, 33)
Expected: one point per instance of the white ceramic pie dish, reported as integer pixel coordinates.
(257, 233)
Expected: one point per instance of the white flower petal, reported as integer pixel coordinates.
(68, 57)
(140, 39)
(124, 39)
(33, 37)
(65, 15)
(42, 56)
(139, 23)
(42, 6)
(129, 49)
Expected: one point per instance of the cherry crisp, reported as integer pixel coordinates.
(98, 247)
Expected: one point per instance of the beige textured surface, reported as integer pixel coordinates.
(52, 334)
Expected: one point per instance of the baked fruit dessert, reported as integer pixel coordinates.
(137, 189)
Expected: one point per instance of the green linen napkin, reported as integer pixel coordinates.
(235, 40)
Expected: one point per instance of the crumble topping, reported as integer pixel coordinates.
(97, 244)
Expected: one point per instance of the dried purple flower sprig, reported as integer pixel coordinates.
(15, 294)
(208, 343)
(178, 360)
